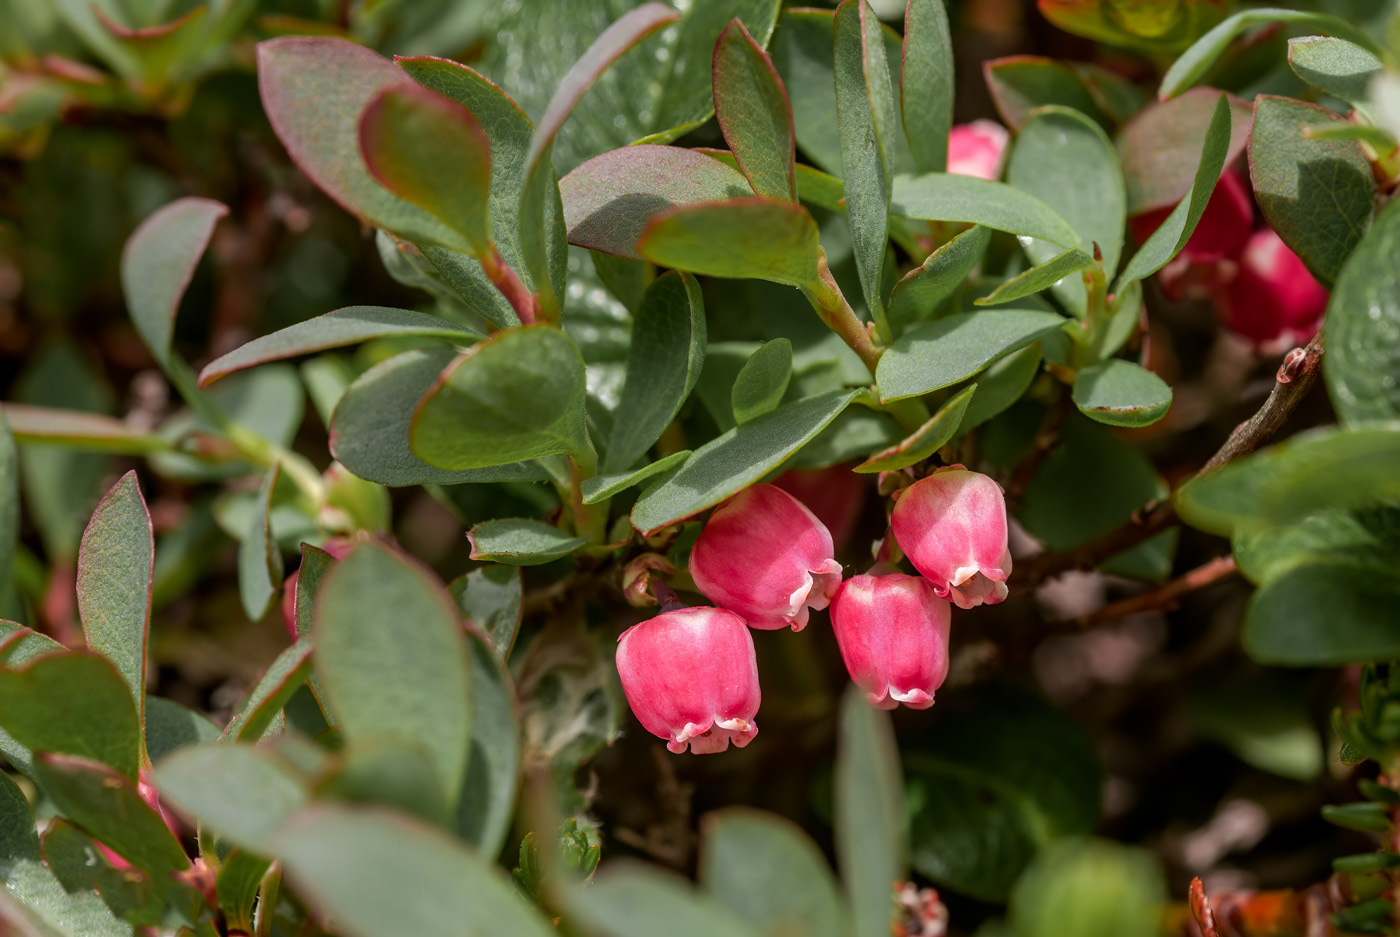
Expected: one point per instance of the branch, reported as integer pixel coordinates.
(1164, 595)
(1295, 378)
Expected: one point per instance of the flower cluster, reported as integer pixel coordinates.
(1260, 288)
(767, 562)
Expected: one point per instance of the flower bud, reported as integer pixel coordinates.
(952, 526)
(764, 555)
(975, 149)
(690, 677)
(1273, 300)
(893, 633)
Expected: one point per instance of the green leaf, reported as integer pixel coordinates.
(430, 150)
(244, 792)
(753, 113)
(1158, 148)
(9, 509)
(1038, 278)
(78, 865)
(762, 381)
(493, 768)
(1067, 161)
(410, 683)
(105, 803)
(926, 84)
(518, 395)
(283, 677)
(115, 564)
(157, 263)
(1318, 195)
(769, 874)
(537, 227)
(315, 563)
(1121, 393)
(1324, 614)
(314, 89)
(601, 487)
(956, 347)
(91, 432)
(1362, 328)
(866, 121)
(918, 295)
(47, 910)
(1149, 26)
(654, 93)
(1340, 68)
(1264, 719)
(1090, 888)
(370, 426)
(236, 888)
(951, 197)
(1196, 62)
(344, 862)
(1090, 459)
(1331, 467)
(490, 599)
(1171, 236)
(924, 441)
(609, 199)
(1364, 538)
(736, 459)
(259, 559)
(170, 726)
(1379, 140)
(521, 542)
(1001, 385)
(629, 899)
(871, 831)
(1022, 83)
(348, 326)
(75, 704)
(1000, 774)
(664, 358)
(755, 237)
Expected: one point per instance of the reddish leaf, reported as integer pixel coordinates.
(752, 108)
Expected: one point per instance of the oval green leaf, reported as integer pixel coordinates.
(956, 347)
(1362, 329)
(924, 441)
(762, 381)
(1121, 393)
(521, 542)
(753, 113)
(951, 197)
(745, 238)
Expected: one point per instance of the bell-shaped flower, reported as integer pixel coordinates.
(893, 633)
(1273, 300)
(952, 526)
(764, 555)
(976, 149)
(691, 678)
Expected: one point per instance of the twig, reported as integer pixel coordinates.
(1200, 909)
(1165, 594)
(1296, 377)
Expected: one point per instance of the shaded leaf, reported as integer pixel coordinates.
(629, 899)
(601, 487)
(926, 84)
(1021, 83)
(736, 459)
(521, 542)
(1094, 888)
(922, 290)
(259, 559)
(871, 830)
(1158, 149)
(755, 237)
(1001, 385)
(1340, 68)
(490, 599)
(1037, 278)
(1362, 328)
(1324, 614)
(1319, 195)
(245, 793)
(762, 380)
(283, 677)
(493, 768)
(1150, 26)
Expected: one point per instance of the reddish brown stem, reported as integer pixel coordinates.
(1200, 909)
(831, 305)
(512, 288)
(1164, 595)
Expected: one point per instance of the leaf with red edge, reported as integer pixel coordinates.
(157, 263)
(609, 199)
(1149, 25)
(116, 563)
(1021, 83)
(1158, 148)
(753, 113)
(432, 152)
(749, 238)
(314, 89)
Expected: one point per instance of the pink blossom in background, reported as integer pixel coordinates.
(1273, 300)
(1224, 227)
(834, 494)
(893, 634)
(952, 526)
(691, 678)
(765, 555)
(976, 149)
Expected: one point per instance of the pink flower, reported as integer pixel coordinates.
(690, 677)
(766, 556)
(975, 149)
(952, 526)
(893, 633)
(1273, 300)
